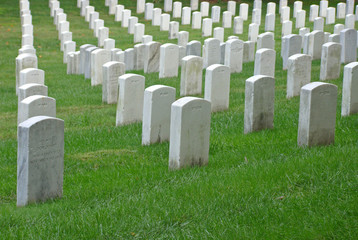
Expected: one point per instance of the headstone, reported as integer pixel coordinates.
(157, 12)
(211, 52)
(36, 105)
(118, 13)
(350, 21)
(103, 33)
(317, 116)
(132, 21)
(207, 27)
(26, 19)
(249, 52)
(88, 11)
(141, 6)
(189, 133)
(83, 57)
(283, 3)
(63, 26)
(151, 57)
(350, 89)
(31, 89)
(271, 8)
(23, 61)
(183, 38)
(341, 10)
(139, 50)
(227, 19)
(111, 71)
(238, 25)
(173, 30)
(109, 44)
(148, 14)
(69, 46)
(156, 114)
(338, 28)
(348, 39)
(330, 61)
(84, 4)
(139, 30)
(219, 33)
(119, 56)
(168, 65)
(215, 14)
(40, 160)
(323, 5)
(27, 39)
(185, 18)
(31, 75)
(315, 42)
(194, 4)
(285, 14)
(196, 22)
(298, 73)
(193, 48)
(244, 11)
(98, 23)
(270, 22)
(265, 62)
(204, 9)
(297, 6)
(164, 22)
(182, 54)
(266, 40)
(27, 49)
(350, 7)
(286, 28)
(126, 14)
(93, 17)
(331, 15)
(318, 24)
(130, 100)
(334, 38)
(177, 6)
(114, 52)
(256, 16)
(302, 33)
(129, 59)
(191, 75)
(147, 39)
(98, 58)
(234, 50)
(313, 12)
(291, 45)
(27, 29)
(87, 64)
(217, 87)
(222, 52)
(259, 103)
(301, 19)
(253, 32)
(231, 7)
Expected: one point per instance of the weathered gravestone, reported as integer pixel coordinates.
(156, 114)
(291, 45)
(36, 105)
(151, 57)
(330, 61)
(317, 117)
(31, 89)
(111, 72)
(169, 60)
(189, 133)
(98, 58)
(23, 61)
(350, 89)
(265, 62)
(298, 73)
(31, 75)
(40, 160)
(193, 48)
(348, 39)
(217, 87)
(211, 52)
(191, 75)
(234, 50)
(130, 100)
(259, 103)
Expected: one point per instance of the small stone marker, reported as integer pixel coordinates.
(156, 114)
(148, 14)
(286, 28)
(88, 11)
(204, 9)
(130, 100)
(93, 17)
(169, 60)
(211, 52)
(157, 12)
(36, 105)
(98, 23)
(234, 50)
(297, 6)
(189, 133)
(65, 36)
(177, 6)
(238, 25)
(40, 160)
(317, 117)
(350, 89)
(207, 27)
(259, 103)
(69, 46)
(139, 51)
(183, 38)
(301, 19)
(266, 40)
(196, 23)
(27, 49)
(186, 15)
(109, 44)
(87, 61)
(330, 61)
(271, 8)
(249, 51)
(63, 26)
(103, 33)
(31, 89)
(217, 87)
(244, 11)
(270, 22)
(298, 73)
(31, 75)
(139, 30)
(350, 21)
(231, 7)
(215, 14)
(164, 22)
(173, 30)
(323, 5)
(285, 14)
(227, 19)
(126, 14)
(23, 61)
(129, 59)
(313, 12)
(194, 4)
(219, 34)
(111, 71)
(338, 28)
(331, 16)
(132, 21)
(315, 42)
(265, 62)
(98, 58)
(141, 6)
(168, 5)
(256, 16)
(191, 75)
(253, 32)
(152, 57)
(118, 13)
(348, 39)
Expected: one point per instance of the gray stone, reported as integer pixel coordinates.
(173, 30)
(118, 13)
(238, 25)
(31, 75)
(139, 51)
(207, 27)
(130, 59)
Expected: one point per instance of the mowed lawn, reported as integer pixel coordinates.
(256, 186)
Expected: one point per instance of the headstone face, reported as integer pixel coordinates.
(132, 21)
(350, 89)
(350, 6)
(301, 19)
(27, 39)
(139, 50)
(177, 9)
(114, 52)
(103, 33)
(139, 30)
(156, 114)
(164, 22)
(227, 19)
(317, 117)
(244, 11)
(111, 71)
(98, 58)
(69, 46)
(182, 54)
(291, 45)
(157, 12)
(298, 73)
(65, 36)
(196, 22)
(234, 50)
(36, 105)
(207, 27)
(189, 133)
(183, 38)
(93, 17)
(193, 48)
(348, 39)
(334, 38)
(26, 19)
(118, 13)
(318, 24)
(87, 61)
(219, 33)
(257, 4)
(204, 9)
(185, 19)
(40, 160)
(109, 44)
(211, 52)
(231, 7)
(330, 61)
(130, 100)
(350, 21)
(323, 5)
(31, 75)
(315, 42)
(270, 22)
(147, 38)
(259, 103)
(256, 16)
(253, 32)
(271, 8)
(249, 51)
(151, 57)
(313, 12)
(285, 14)
(88, 10)
(222, 52)
(168, 5)
(265, 62)
(63, 26)
(84, 4)
(283, 3)
(169, 56)
(331, 15)
(338, 28)
(297, 6)
(341, 10)
(286, 28)
(98, 23)
(141, 6)
(302, 33)
(191, 75)
(266, 40)
(31, 89)
(148, 15)
(119, 56)
(126, 14)
(215, 14)
(217, 87)
(129, 59)
(238, 25)
(194, 4)
(23, 61)
(173, 30)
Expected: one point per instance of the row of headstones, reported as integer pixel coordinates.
(40, 133)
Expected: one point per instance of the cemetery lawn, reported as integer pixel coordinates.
(256, 186)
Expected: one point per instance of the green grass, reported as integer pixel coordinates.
(256, 186)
